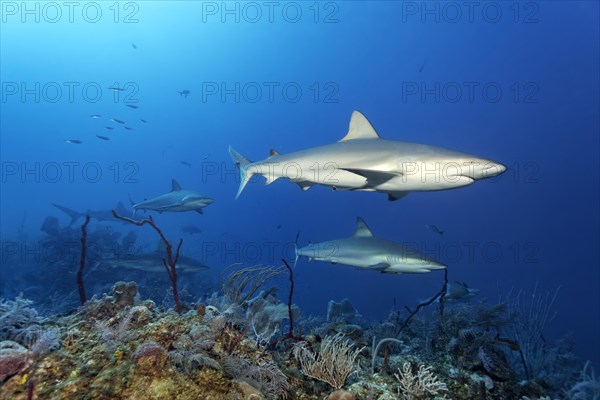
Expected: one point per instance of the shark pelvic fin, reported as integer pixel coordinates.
(270, 179)
(362, 230)
(379, 267)
(360, 128)
(393, 196)
(374, 177)
(175, 187)
(304, 185)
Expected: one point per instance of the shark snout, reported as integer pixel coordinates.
(492, 169)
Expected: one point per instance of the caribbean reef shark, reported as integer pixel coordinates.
(150, 262)
(365, 251)
(100, 215)
(177, 200)
(363, 161)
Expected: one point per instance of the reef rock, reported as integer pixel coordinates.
(14, 358)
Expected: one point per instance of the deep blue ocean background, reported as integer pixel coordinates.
(537, 224)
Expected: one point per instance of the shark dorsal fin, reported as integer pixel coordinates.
(360, 128)
(273, 152)
(362, 230)
(175, 187)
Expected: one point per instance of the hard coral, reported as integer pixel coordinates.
(150, 358)
(341, 395)
(14, 358)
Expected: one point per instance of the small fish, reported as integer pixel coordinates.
(459, 291)
(423, 65)
(435, 229)
(144, 121)
(116, 89)
(184, 93)
(102, 137)
(117, 120)
(191, 229)
(186, 163)
(131, 106)
(73, 141)
(278, 226)
(95, 116)
(206, 156)
(108, 127)
(134, 46)
(128, 128)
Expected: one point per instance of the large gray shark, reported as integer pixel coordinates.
(100, 215)
(365, 251)
(150, 262)
(364, 161)
(177, 200)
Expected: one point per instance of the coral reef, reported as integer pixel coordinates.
(118, 346)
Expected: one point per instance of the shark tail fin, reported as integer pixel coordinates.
(134, 209)
(241, 164)
(296, 255)
(71, 213)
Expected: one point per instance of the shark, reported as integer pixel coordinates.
(151, 263)
(100, 215)
(366, 251)
(177, 200)
(363, 161)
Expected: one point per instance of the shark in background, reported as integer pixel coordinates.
(150, 263)
(363, 161)
(177, 200)
(100, 215)
(365, 251)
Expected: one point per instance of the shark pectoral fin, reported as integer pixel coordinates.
(374, 177)
(199, 211)
(190, 198)
(393, 196)
(379, 267)
(360, 128)
(403, 269)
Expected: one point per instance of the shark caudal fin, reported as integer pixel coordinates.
(241, 164)
(296, 255)
(71, 213)
(133, 208)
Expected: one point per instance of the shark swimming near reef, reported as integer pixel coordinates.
(100, 215)
(177, 200)
(363, 161)
(365, 251)
(151, 263)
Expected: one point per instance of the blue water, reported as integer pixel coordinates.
(533, 71)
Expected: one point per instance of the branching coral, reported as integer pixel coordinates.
(334, 362)
(421, 385)
(189, 354)
(239, 286)
(588, 386)
(19, 321)
(265, 376)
